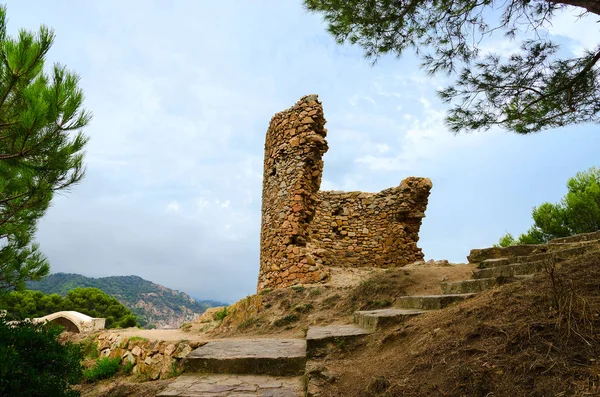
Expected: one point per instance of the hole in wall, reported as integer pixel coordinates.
(298, 240)
(401, 216)
(336, 231)
(338, 211)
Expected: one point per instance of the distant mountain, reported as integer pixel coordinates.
(153, 304)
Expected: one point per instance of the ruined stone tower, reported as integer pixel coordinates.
(305, 231)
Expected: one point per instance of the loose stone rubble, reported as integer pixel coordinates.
(306, 231)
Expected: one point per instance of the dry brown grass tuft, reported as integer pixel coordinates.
(539, 337)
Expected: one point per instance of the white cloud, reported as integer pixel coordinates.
(583, 31)
(383, 148)
(173, 206)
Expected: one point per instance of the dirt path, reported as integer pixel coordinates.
(426, 277)
(160, 334)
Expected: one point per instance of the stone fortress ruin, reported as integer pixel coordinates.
(306, 231)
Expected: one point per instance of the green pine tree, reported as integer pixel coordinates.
(41, 143)
(530, 90)
(577, 212)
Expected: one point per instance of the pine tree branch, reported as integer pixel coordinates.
(568, 86)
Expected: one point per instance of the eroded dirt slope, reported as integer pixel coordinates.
(540, 337)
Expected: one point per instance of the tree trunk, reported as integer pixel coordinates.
(592, 6)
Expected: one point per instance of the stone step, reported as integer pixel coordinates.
(529, 250)
(516, 269)
(486, 264)
(594, 236)
(429, 302)
(469, 286)
(197, 385)
(559, 255)
(319, 340)
(374, 319)
(277, 357)
(478, 285)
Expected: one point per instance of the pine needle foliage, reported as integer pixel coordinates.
(41, 146)
(528, 91)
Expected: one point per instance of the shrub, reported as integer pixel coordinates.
(89, 348)
(290, 318)
(186, 327)
(305, 308)
(249, 322)
(34, 363)
(127, 368)
(138, 339)
(104, 368)
(221, 314)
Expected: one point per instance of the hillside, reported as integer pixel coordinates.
(153, 304)
(525, 322)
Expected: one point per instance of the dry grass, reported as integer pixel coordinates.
(290, 311)
(540, 338)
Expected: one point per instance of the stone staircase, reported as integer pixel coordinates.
(257, 367)
(274, 367)
(496, 266)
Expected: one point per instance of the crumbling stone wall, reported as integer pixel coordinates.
(293, 166)
(372, 229)
(305, 231)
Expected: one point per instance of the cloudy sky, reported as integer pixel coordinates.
(182, 93)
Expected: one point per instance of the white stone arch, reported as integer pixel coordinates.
(73, 321)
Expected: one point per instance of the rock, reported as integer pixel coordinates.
(185, 350)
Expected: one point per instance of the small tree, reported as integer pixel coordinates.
(577, 212)
(40, 147)
(95, 303)
(35, 364)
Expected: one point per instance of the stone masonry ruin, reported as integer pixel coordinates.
(305, 231)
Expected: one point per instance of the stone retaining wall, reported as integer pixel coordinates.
(152, 359)
(305, 231)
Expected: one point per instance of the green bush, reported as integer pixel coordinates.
(89, 348)
(34, 364)
(289, 319)
(95, 303)
(127, 368)
(221, 314)
(104, 368)
(304, 308)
